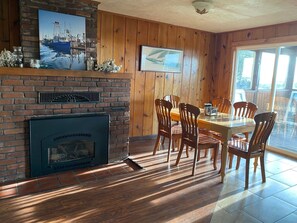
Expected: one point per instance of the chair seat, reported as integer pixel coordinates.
(205, 139)
(191, 137)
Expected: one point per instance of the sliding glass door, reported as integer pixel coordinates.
(268, 78)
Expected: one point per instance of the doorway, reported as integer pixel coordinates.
(268, 78)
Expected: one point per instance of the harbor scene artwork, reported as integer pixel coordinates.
(62, 39)
(161, 59)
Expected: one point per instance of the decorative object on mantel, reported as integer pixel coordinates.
(7, 59)
(34, 63)
(108, 66)
(18, 54)
(90, 63)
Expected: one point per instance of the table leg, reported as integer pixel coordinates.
(224, 155)
(223, 161)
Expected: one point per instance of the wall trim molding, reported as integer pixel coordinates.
(267, 42)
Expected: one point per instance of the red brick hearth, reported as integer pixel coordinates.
(19, 90)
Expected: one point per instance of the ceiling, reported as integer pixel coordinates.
(226, 15)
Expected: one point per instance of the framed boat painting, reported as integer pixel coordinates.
(62, 40)
(161, 59)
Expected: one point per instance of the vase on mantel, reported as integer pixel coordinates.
(90, 63)
(18, 55)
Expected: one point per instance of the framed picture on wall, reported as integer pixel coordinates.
(62, 40)
(161, 59)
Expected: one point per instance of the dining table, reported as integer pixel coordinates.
(225, 124)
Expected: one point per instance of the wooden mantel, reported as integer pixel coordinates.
(65, 73)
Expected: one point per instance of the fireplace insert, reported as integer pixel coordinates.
(65, 142)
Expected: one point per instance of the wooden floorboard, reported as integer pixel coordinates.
(160, 192)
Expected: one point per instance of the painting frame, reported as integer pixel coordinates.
(157, 59)
(62, 40)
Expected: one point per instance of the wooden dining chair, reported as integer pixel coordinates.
(223, 105)
(191, 137)
(257, 145)
(165, 129)
(247, 110)
(174, 99)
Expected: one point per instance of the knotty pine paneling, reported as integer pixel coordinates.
(226, 44)
(106, 37)
(9, 24)
(142, 37)
(171, 43)
(149, 117)
(180, 44)
(129, 56)
(120, 37)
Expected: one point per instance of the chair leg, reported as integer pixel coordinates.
(205, 153)
(230, 160)
(238, 162)
(163, 140)
(179, 153)
(195, 160)
(169, 149)
(187, 151)
(262, 169)
(255, 164)
(215, 156)
(156, 144)
(198, 158)
(212, 155)
(247, 168)
(173, 140)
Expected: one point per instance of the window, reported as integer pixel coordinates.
(295, 75)
(266, 70)
(282, 71)
(245, 69)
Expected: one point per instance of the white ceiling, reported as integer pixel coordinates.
(226, 15)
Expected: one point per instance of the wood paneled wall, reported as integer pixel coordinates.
(120, 37)
(226, 44)
(9, 24)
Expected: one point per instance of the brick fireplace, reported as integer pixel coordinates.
(19, 89)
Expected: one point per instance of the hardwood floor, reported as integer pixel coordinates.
(160, 192)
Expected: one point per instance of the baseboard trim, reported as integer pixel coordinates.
(141, 138)
(282, 152)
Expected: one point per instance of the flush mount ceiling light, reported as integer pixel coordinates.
(202, 6)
